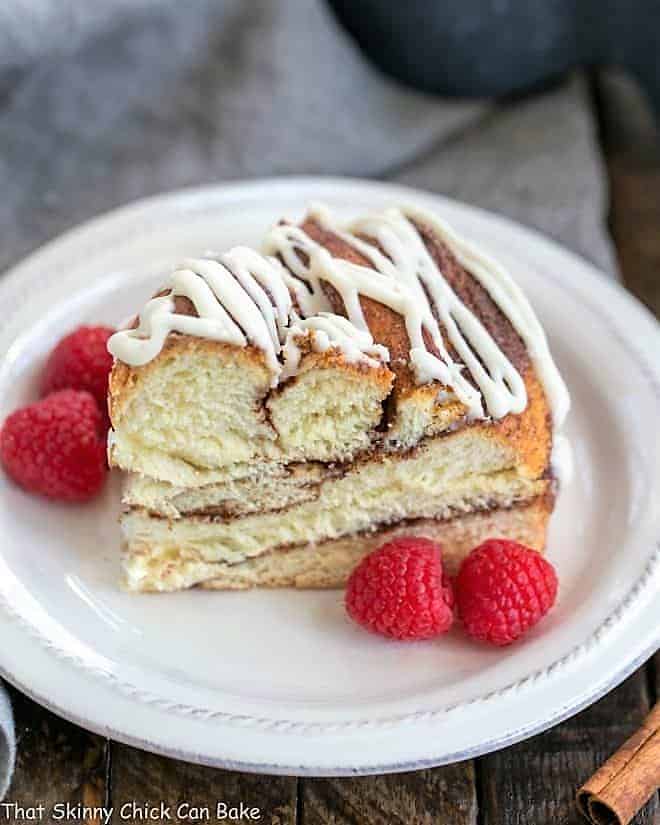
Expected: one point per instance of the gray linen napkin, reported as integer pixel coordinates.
(101, 103)
(7, 743)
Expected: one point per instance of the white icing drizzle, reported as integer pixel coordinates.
(328, 331)
(243, 297)
(408, 260)
(406, 278)
(513, 304)
(240, 297)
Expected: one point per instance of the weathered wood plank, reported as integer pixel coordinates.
(535, 781)
(631, 137)
(145, 778)
(57, 762)
(442, 795)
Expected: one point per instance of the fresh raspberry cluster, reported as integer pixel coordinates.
(402, 591)
(503, 589)
(80, 361)
(56, 446)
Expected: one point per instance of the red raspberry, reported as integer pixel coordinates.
(400, 590)
(502, 589)
(80, 361)
(56, 447)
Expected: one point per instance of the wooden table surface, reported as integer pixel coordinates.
(532, 783)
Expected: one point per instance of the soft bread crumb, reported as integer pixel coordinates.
(205, 407)
(343, 508)
(328, 564)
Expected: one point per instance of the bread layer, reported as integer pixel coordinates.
(327, 564)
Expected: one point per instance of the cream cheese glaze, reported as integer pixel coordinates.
(329, 331)
(406, 278)
(240, 298)
(243, 297)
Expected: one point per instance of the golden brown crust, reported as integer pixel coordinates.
(125, 379)
(333, 358)
(530, 431)
(387, 327)
(476, 299)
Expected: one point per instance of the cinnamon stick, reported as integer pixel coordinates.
(626, 782)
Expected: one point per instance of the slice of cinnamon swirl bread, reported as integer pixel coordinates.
(280, 414)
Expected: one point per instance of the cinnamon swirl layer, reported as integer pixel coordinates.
(343, 507)
(461, 336)
(513, 450)
(393, 310)
(279, 413)
(148, 567)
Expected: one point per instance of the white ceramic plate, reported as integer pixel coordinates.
(282, 682)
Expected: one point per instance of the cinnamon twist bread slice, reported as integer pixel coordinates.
(278, 413)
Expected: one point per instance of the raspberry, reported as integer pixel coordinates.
(80, 361)
(400, 590)
(56, 447)
(502, 590)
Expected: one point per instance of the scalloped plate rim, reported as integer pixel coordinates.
(225, 193)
